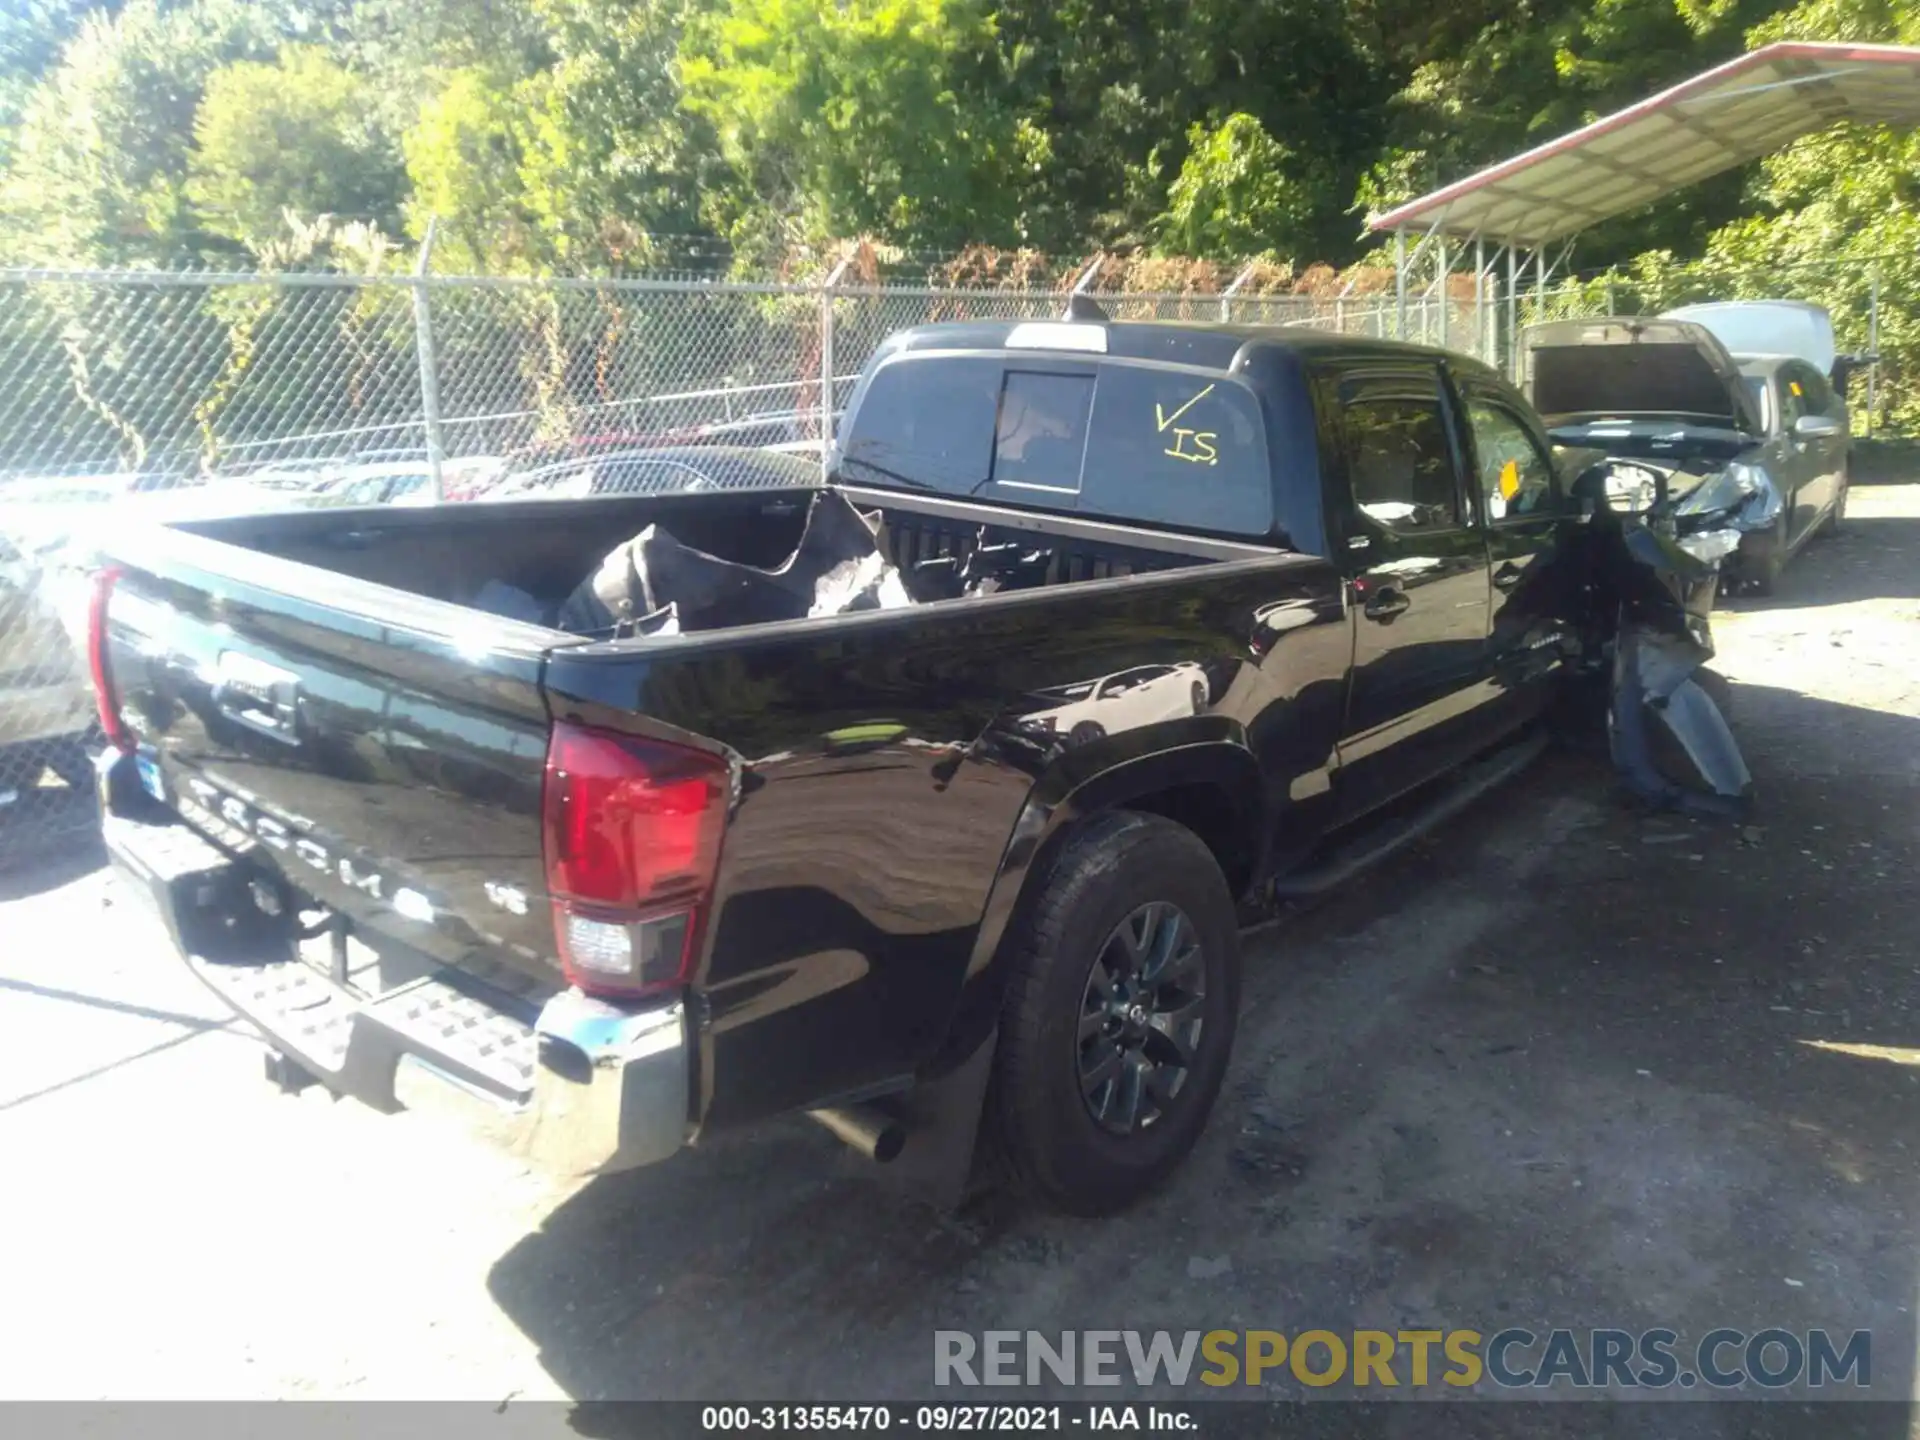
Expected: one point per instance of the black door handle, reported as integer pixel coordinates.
(1385, 603)
(1507, 576)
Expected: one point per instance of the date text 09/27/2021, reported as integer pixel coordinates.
(944, 1419)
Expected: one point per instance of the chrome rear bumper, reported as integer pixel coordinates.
(577, 1086)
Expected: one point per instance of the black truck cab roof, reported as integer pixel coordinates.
(1203, 427)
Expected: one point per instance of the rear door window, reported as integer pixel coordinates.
(1399, 458)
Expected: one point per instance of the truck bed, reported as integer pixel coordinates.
(545, 548)
(314, 693)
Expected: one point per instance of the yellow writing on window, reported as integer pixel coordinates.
(1195, 446)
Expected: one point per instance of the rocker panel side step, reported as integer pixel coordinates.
(1368, 848)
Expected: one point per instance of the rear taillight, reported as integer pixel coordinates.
(632, 839)
(110, 722)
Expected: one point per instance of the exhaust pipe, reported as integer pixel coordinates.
(871, 1131)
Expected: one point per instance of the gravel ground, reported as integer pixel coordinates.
(1564, 1065)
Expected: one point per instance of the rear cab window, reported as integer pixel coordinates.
(1179, 447)
(1040, 430)
(1120, 439)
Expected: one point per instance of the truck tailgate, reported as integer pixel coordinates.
(383, 751)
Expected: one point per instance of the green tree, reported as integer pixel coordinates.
(873, 116)
(398, 40)
(295, 136)
(582, 162)
(1237, 196)
(1833, 210)
(32, 35)
(1114, 88)
(98, 169)
(465, 155)
(613, 157)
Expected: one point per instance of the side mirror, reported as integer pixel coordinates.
(1583, 476)
(1815, 427)
(1588, 489)
(1845, 366)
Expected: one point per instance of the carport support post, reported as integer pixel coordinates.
(1513, 311)
(1873, 342)
(1480, 297)
(826, 360)
(1399, 284)
(429, 373)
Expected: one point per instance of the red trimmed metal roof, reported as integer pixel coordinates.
(1724, 117)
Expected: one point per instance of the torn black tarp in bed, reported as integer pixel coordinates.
(838, 566)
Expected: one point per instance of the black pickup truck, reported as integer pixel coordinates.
(1203, 618)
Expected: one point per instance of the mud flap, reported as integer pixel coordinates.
(948, 1158)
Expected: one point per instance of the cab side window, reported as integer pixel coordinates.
(1516, 475)
(1399, 460)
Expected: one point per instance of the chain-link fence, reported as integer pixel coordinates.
(159, 395)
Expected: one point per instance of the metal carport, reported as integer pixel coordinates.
(1525, 207)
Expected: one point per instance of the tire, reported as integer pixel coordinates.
(1837, 516)
(1764, 577)
(1086, 732)
(1120, 870)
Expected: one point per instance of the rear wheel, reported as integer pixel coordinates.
(1119, 1014)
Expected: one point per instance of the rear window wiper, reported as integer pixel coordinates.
(881, 472)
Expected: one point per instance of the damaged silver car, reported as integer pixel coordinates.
(1744, 458)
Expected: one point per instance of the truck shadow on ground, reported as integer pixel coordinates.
(1565, 1064)
(48, 838)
